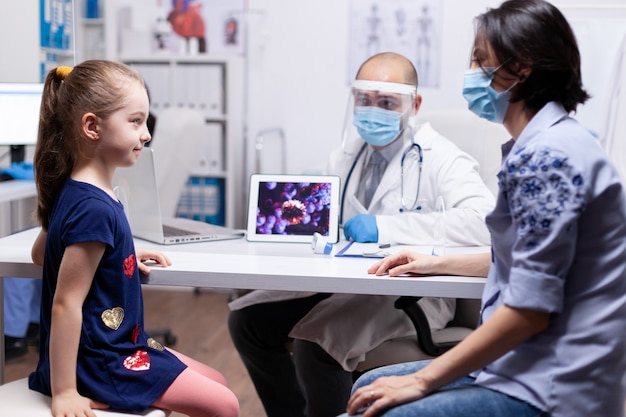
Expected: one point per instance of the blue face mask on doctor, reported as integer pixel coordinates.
(482, 99)
(378, 127)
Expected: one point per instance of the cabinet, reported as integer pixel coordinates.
(56, 29)
(95, 35)
(214, 86)
(77, 39)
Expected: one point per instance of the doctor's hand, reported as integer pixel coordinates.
(361, 228)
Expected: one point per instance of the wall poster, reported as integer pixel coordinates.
(186, 27)
(409, 27)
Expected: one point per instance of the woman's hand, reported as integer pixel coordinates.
(386, 392)
(69, 404)
(157, 256)
(405, 262)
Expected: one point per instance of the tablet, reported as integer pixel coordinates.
(290, 208)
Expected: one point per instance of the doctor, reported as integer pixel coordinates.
(405, 167)
(332, 332)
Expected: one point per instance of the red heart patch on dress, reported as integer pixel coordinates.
(129, 266)
(140, 361)
(135, 335)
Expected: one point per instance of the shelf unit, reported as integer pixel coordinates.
(222, 89)
(56, 28)
(90, 38)
(214, 86)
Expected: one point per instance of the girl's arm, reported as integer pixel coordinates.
(474, 265)
(39, 247)
(505, 329)
(76, 273)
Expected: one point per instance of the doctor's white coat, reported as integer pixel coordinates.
(348, 326)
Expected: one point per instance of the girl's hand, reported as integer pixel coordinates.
(386, 392)
(39, 247)
(157, 256)
(73, 404)
(405, 262)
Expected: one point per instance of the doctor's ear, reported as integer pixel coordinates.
(417, 103)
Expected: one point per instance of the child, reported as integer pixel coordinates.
(94, 350)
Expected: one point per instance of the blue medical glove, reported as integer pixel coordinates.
(361, 228)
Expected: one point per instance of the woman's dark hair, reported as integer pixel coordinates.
(95, 86)
(534, 34)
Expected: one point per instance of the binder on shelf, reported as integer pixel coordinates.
(92, 9)
(48, 61)
(211, 156)
(156, 76)
(201, 86)
(203, 200)
(56, 27)
(212, 78)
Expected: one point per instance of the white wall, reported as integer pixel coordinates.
(298, 61)
(19, 45)
(297, 64)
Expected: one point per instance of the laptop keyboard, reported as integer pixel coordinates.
(169, 231)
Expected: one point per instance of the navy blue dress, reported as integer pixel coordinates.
(118, 363)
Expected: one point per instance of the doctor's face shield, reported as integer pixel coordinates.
(377, 112)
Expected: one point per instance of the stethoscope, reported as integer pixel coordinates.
(405, 207)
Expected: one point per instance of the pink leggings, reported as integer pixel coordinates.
(199, 391)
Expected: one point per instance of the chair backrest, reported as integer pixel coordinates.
(614, 141)
(178, 147)
(478, 137)
(467, 313)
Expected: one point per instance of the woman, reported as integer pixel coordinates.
(551, 339)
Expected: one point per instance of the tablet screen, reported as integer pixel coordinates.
(290, 208)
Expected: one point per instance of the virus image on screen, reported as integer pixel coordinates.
(293, 208)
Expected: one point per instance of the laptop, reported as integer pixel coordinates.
(136, 188)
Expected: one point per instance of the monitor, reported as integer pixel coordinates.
(19, 113)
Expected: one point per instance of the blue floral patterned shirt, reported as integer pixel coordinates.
(559, 246)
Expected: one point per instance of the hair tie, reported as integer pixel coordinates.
(63, 71)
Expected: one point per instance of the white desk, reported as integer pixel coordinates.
(13, 192)
(16, 190)
(239, 264)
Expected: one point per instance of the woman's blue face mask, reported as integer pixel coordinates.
(482, 99)
(378, 127)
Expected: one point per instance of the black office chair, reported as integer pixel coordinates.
(428, 343)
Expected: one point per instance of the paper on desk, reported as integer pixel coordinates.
(373, 250)
(364, 250)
